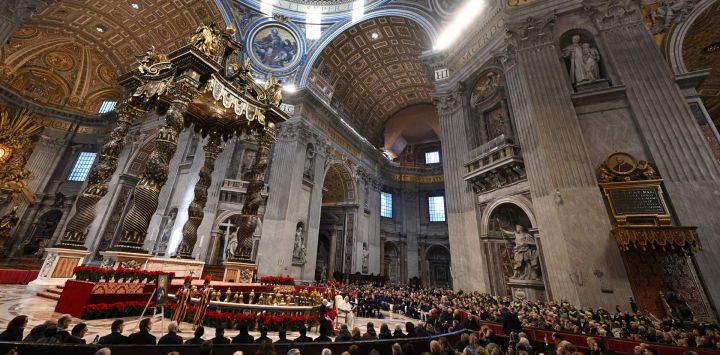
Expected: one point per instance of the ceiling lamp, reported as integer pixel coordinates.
(135, 6)
(462, 20)
(374, 35)
(100, 28)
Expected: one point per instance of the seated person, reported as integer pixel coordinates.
(220, 336)
(243, 337)
(77, 334)
(171, 337)
(115, 336)
(282, 335)
(263, 335)
(303, 338)
(197, 339)
(323, 334)
(143, 336)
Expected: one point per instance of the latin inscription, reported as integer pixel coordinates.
(637, 201)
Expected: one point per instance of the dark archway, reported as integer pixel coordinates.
(439, 264)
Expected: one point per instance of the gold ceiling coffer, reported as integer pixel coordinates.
(637, 202)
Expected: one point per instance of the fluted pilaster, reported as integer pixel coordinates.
(212, 148)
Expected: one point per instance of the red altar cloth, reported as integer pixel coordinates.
(17, 277)
(74, 297)
(77, 294)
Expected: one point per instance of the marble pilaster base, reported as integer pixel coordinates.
(125, 260)
(239, 272)
(593, 85)
(533, 290)
(181, 267)
(58, 267)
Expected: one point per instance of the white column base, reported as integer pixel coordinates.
(58, 267)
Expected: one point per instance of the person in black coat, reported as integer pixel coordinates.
(143, 336)
(398, 333)
(115, 337)
(39, 331)
(263, 335)
(171, 337)
(77, 334)
(197, 339)
(384, 332)
(303, 338)
(62, 327)
(15, 328)
(220, 336)
(343, 334)
(510, 322)
(323, 338)
(243, 337)
(282, 335)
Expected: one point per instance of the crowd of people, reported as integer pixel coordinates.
(440, 308)
(439, 312)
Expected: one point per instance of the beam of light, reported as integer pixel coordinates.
(464, 17)
(266, 7)
(358, 10)
(313, 20)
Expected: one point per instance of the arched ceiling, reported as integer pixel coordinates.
(372, 70)
(69, 55)
(698, 53)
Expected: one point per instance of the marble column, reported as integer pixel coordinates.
(670, 132)
(14, 13)
(463, 230)
(154, 176)
(570, 209)
(213, 147)
(411, 225)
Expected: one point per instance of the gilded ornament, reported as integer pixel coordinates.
(206, 39)
(152, 63)
(16, 132)
(59, 61)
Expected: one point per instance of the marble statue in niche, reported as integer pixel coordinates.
(299, 251)
(584, 61)
(365, 258)
(308, 171)
(526, 265)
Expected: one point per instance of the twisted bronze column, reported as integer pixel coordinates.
(98, 179)
(247, 220)
(147, 190)
(212, 148)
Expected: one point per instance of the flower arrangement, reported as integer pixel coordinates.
(271, 321)
(277, 280)
(117, 309)
(95, 274)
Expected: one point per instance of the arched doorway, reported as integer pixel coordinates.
(337, 217)
(439, 265)
(323, 257)
(391, 263)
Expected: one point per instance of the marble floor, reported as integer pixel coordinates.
(18, 300)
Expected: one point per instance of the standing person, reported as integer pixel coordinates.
(15, 328)
(182, 299)
(202, 305)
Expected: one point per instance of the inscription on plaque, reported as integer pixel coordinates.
(643, 200)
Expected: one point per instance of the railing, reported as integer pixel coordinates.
(495, 164)
(233, 191)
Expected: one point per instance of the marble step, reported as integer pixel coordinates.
(51, 293)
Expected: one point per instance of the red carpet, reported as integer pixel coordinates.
(17, 277)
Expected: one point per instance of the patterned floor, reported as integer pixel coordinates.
(17, 300)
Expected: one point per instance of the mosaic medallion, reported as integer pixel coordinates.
(59, 60)
(275, 48)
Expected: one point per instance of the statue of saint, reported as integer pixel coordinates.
(299, 249)
(525, 259)
(583, 60)
(365, 258)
